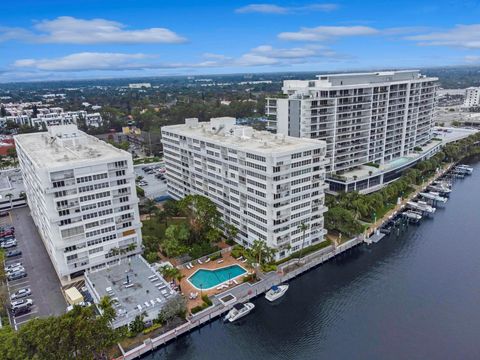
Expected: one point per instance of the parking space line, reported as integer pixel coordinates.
(23, 316)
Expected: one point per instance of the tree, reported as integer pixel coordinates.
(175, 306)
(172, 273)
(202, 215)
(171, 208)
(138, 324)
(175, 236)
(149, 206)
(261, 252)
(230, 233)
(78, 334)
(106, 305)
(303, 228)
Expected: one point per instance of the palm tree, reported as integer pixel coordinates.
(172, 273)
(106, 305)
(303, 228)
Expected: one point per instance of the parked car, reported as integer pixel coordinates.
(13, 253)
(21, 293)
(7, 233)
(3, 241)
(15, 269)
(21, 303)
(3, 213)
(8, 244)
(21, 310)
(8, 237)
(13, 265)
(16, 275)
(7, 227)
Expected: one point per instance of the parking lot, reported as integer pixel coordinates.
(41, 277)
(155, 187)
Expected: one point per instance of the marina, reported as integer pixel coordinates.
(357, 291)
(394, 226)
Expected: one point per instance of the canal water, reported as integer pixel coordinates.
(411, 296)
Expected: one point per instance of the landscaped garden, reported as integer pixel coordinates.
(186, 229)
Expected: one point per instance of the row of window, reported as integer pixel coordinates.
(94, 196)
(100, 231)
(91, 178)
(93, 187)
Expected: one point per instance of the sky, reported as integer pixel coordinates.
(44, 40)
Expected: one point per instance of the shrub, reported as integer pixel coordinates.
(151, 257)
(197, 309)
(269, 267)
(140, 191)
(249, 278)
(206, 300)
(206, 303)
(151, 328)
(237, 251)
(215, 256)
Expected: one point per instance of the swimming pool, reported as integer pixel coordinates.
(205, 279)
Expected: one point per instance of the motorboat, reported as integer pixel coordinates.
(238, 311)
(464, 169)
(276, 292)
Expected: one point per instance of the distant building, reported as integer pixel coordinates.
(472, 97)
(82, 196)
(364, 118)
(139, 85)
(265, 185)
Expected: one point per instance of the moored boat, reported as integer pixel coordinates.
(276, 292)
(238, 311)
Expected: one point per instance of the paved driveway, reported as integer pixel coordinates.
(41, 277)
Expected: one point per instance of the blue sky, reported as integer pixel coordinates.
(47, 39)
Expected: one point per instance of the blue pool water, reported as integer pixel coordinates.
(206, 279)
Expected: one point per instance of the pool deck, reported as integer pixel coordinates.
(188, 288)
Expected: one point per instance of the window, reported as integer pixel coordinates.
(72, 232)
(57, 184)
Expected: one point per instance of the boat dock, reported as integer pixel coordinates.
(413, 208)
(242, 293)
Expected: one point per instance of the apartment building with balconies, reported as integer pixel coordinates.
(365, 118)
(82, 196)
(266, 185)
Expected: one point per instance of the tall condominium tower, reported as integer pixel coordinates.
(364, 118)
(266, 185)
(82, 197)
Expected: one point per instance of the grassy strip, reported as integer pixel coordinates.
(308, 250)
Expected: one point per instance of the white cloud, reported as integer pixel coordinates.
(87, 61)
(70, 30)
(322, 33)
(473, 59)
(465, 36)
(92, 61)
(281, 10)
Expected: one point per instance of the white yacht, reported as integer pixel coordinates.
(464, 169)
(276, 292)
(238, 311)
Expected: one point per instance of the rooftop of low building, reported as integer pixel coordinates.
(65, 144)
(225, 132)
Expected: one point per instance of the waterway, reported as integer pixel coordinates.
(415, 295)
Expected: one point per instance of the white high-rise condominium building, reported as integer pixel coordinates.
(265, 185)
(472, 97)
(82, 197)
(364, 118)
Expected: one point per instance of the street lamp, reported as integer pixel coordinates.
(201, 288)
